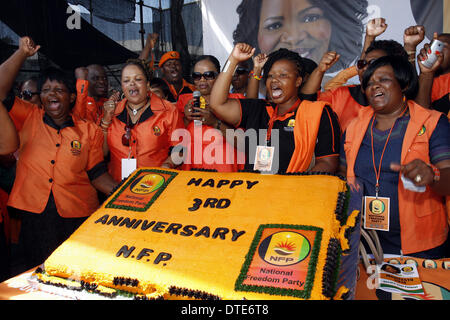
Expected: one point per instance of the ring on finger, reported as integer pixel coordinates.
(418, 178)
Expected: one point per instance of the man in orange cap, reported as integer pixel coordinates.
(172, 73)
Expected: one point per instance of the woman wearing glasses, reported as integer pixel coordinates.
(206, 147)
(139, 130)
(29, 92)
(347, 100)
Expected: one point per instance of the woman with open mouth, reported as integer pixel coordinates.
(61, 164)
(399, 152)
(138, 129)
(207, 148)
(297, 135)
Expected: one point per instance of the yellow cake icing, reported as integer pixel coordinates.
(188, 234)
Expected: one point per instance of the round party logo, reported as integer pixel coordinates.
(284, 248)
(147, 184)
(377, 206)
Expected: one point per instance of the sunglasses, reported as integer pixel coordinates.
(126, 136)
(208, 75)
(27, 94)
(240, 71)
(361, 64)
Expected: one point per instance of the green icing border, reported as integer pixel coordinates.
(111, 205)
(303, 294)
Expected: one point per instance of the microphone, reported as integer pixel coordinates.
(196, 95)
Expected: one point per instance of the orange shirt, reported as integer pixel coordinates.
(186, 88)
(150, 138)
(346, 102)
(86, 107)
(62, 160)
(441, 87)
(203, 144)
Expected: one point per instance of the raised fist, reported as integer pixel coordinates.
(28, 47)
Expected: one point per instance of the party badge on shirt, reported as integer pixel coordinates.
(75, 147)
(290, 126)
(157, 131)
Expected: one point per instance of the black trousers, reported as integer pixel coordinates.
(40, 235)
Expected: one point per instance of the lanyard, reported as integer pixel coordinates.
(274, 117)
(378, 172)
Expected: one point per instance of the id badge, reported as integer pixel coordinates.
(376, 213)
(128, 167)
(264, 158)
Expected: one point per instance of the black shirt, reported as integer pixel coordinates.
(255, 116)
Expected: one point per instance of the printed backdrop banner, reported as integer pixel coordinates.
(312, 27)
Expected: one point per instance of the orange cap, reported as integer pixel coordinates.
(168, 56)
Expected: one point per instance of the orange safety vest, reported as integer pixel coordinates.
(307, 122)
(423, 217)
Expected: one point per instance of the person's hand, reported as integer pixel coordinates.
(115, 95)
(242, 52)
(28, 47)
(412, 37)
(81, 73)
(375, 27)
(109, 107)
(204, 115)
(327, 61)
(189, 112)
(417, 171)
(423, 55)
(152, 38)
(259, 61)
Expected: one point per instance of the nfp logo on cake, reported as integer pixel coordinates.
(141, 190)
(147, 184)
(284, 248)
(278, 261)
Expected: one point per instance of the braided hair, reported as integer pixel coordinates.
(284, 54)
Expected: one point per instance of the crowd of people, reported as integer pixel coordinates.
(73, 140)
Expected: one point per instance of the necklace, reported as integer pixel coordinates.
(135, 111)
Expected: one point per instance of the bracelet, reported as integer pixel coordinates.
(254, 76)
(437, 173)
(411, 52)
(219, 123)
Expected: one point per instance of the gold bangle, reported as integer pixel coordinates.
(411, 52)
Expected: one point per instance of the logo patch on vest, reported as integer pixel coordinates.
(422, 131)
(75, 147)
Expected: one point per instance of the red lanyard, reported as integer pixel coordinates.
(378, 172)
(274, 117)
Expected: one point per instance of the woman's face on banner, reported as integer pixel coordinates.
(295, 25)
